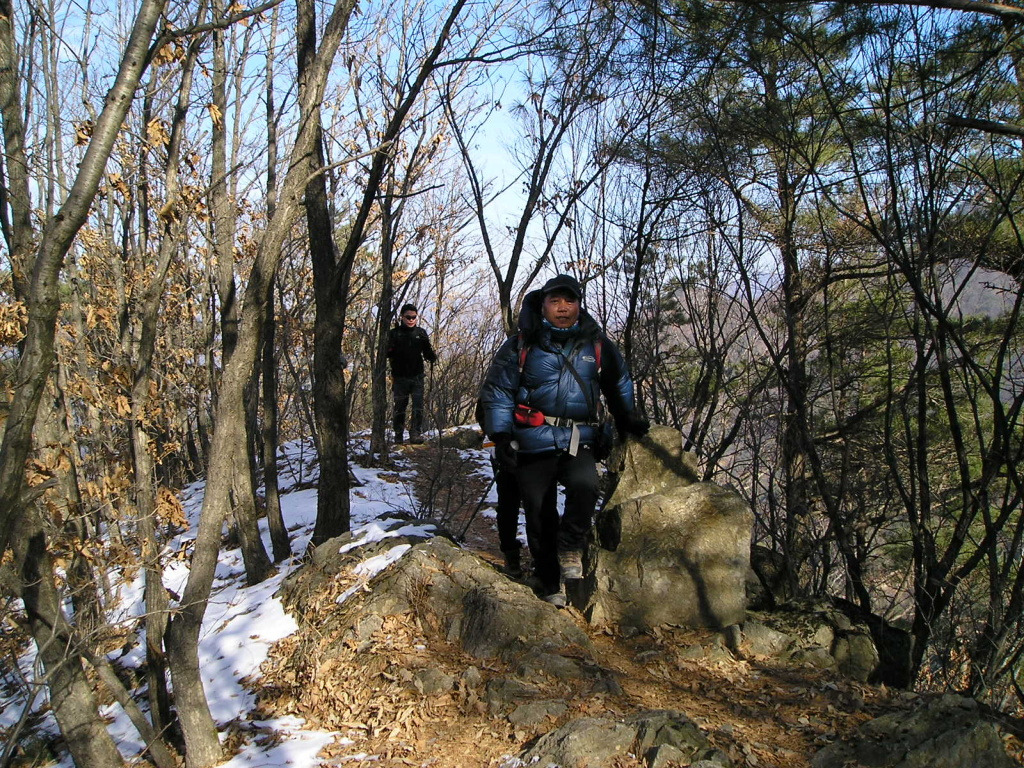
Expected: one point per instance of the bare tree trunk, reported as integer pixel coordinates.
(55, 437)
(329, 402)
(330, 282)
(14, 192)
(645, 234)
(254, 555)
(202, 745)
(43, 300)
(331, 278)
(271, 492)
(43, 297)
(140, 352)
(379, 375)
(155, 746)
(794, 451)
(222, 220)
(385, 311)
(396, 189)
(71, 696)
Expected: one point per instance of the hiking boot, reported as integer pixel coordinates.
(513, 563)
(556, 599)
(532, 580)
(571, 563)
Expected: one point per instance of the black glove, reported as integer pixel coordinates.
(634, 425)
(505, 452)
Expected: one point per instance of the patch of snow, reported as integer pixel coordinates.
(243, 622)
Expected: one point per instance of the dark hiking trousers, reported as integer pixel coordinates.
(403, 388)
(509, 502)
(538, 474)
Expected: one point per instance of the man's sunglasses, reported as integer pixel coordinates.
(409, 317)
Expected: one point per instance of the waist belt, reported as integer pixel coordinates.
(562, 421)
(574, 439)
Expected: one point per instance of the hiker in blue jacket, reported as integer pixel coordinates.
(541, 402)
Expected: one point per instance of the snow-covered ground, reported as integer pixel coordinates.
(242, 623)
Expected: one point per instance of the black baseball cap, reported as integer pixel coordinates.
(563, 283)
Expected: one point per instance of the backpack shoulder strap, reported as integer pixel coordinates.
(524, 349)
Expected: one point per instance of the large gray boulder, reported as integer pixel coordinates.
(467, 600)
(810, 634)
(944, 732)
(657, 737)
(670, 549)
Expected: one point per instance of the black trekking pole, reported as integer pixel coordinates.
(479, 505)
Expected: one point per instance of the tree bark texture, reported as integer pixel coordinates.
(331, 277)
(254, 554)
(222, 220)
(271, 490)
(139, 352)
(379, 375)
(71, 695)
(333, 508)
(14, 192)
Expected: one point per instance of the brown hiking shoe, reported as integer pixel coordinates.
(571, 563)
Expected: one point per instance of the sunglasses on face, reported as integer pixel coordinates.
(409, 317)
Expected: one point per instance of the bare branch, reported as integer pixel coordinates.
(198, 29)
(989, 126)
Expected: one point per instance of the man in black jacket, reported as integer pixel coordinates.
(408, 347)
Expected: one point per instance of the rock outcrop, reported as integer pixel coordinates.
(658, 737)
(469, 601)
(940, 732)
(387, 607)
(538, 669)
(670, 549)
(814, 635)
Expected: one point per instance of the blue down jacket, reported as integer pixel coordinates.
(547, 383)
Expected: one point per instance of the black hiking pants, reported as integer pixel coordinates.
(546, 535)
(509, 503)
(405, 388)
